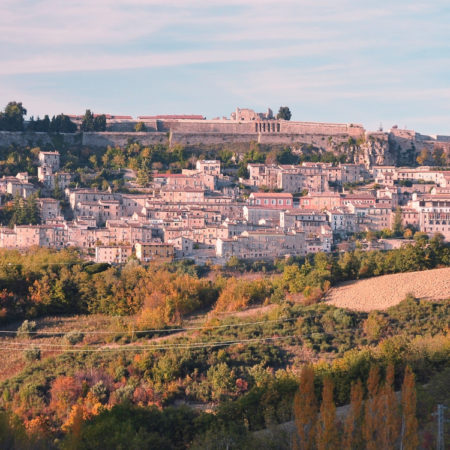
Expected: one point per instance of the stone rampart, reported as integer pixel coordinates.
(121, 139)
(104, 139)
(203, 126)
(329, 129)
(211, 138)
(36, 139)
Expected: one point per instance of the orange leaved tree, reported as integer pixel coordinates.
(305, 411)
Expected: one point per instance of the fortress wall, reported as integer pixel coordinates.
(329, 129)
(211, 138)
(321, 141)
(150, 124)
(8, 138)
(120, 126)
(251, 127)
(121, 139)
(128, 126)
(35, 139)
(317, 140)
(203, 126)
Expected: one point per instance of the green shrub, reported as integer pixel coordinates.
(32, 354)
(25, 330)
(74, 337)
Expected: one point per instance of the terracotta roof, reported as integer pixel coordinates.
(171, 175)
(174, 116)
(271, 194)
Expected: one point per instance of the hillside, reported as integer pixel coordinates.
(131, 344)
(389, 290)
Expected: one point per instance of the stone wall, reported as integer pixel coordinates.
(396, 147)
(328, 129)
(272, 127)
(34, 139)
(211, 138)
(121, 139)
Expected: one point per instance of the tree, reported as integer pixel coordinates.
(143, 177)
(327, 435)
(24, 212)
(140, 126)
(305, 411)
(40, 125)
(397, 226)
(88, 121)
(410, 439)
(286, 157)
(352, 439)
(372, 412)
(93, 122)
(284, 113)
(243, 171)
(12, 117)
(62, 124)
(423, 156)
(439, 157)
(389, 431)
(100, 123)
(408, 234)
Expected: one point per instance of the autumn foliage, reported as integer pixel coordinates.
(373, 423)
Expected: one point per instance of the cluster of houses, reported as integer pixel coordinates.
(203, 215)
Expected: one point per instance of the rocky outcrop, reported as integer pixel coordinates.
(376, 150)
(397, 147)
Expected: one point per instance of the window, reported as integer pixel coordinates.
(266, 202)
(288, 202)
(274, 202)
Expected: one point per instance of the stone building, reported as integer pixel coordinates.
(113, 254)
(154, 252)
(262, 244)
(49, 159)
(271, 200)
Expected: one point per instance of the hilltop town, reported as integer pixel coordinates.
(265, 206)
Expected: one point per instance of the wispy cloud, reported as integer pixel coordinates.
(344, 55)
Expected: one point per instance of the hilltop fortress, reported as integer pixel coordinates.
(397, 146)
(262, 126)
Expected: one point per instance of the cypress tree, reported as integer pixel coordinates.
(409, 438)
(327, 436)
(390, 430)
(352, 438)
(305, 411)
(372, 410)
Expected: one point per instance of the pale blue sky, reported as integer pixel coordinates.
(363, 61)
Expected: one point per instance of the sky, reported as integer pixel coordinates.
(377, 63)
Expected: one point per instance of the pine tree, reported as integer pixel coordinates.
(305, 411)
(327, 436)
(390, 430)
(372, 412)
(352, 439)
(410, 439)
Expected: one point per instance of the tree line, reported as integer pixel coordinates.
(163, 295)
(12, 119)
(381, 421)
